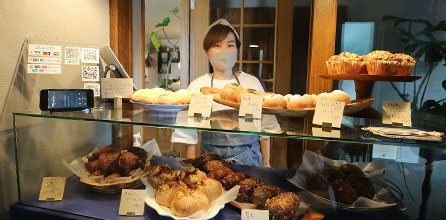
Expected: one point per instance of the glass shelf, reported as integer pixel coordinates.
(228, 121)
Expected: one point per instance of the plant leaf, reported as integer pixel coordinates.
(166, 21)
(155, 41)
(159, 25)
(441, 26)
(444, 84)
(175, 10)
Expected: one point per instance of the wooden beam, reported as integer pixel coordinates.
(321, 45)
(184, 43)
(200, 17)
(143, 43)
(283, 48)
(121, 30)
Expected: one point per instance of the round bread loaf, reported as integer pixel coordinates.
(246, 91)
(166, 193)
(336, 95)
(212, 188)
(301, 102)
(138, 96)
(276, 101)
(231, 91)
(169, 98)
(189, 202)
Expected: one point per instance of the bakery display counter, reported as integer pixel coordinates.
(80, 202)
(228, 121)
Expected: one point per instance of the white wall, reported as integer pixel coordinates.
(75, 21)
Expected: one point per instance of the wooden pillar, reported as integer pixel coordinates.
(321, 47)
(121, 32)
(121, 42)
(322, 44)
(200, 16)
(283, 46)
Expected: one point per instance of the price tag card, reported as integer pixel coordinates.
(329, 111)
(397, 112)
(201, 105)
(252, 105)
(252, 125)
(132, 202)
(52, 189)
(255, 214)
(318, 132)
(111, 87)
(198, 122)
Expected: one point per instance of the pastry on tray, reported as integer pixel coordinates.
(348, 183)
(184, 192)
(163, 97)
(281, 205)
(346, 63)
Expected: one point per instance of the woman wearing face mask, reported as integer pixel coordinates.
(221, 46)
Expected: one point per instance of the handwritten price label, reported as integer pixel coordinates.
(330, 112)
(111, 87)
(397, 112)
(251, 104)
(52, 189)
(200, 104)
(255, 214)
(132, 202)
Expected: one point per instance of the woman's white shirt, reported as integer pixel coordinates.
(247, 81)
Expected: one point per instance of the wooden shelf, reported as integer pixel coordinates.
(254, 25)
(257, 61)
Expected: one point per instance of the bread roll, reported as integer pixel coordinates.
(138, 96)
(166, 193)
(231, 91)
(276, 101)
(246, 91)
(336, 95)
(186, 94)
(189, 202)
(212, 188)
(169, 98)
(301, 102)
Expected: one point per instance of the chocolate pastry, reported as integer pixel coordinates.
(282, 206)
(128, 161)
(363, 185)
(351, 169)
(344, 192)
(95, 155)
(109, 162)
(333, 174)
(232, 179)
(317, 181)
(141, 153)
(203, 159)
(247, 187)
(220, 173)
(263, 193)
(216, 164)
(192, 176)
(92, 166)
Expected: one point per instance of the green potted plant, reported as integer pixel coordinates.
(423, 42)
(166, 82)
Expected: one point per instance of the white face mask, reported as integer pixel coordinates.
(223, 60)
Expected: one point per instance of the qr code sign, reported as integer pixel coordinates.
(90, 73)
(90, 55)
(73, 53)
(95, 87)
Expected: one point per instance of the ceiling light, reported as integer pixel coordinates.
(253, 45)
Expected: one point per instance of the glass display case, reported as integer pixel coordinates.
(412, 168)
